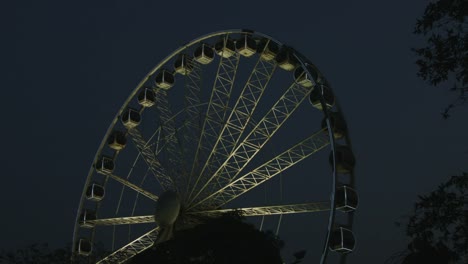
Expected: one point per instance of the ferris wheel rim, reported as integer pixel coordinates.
(301, 60)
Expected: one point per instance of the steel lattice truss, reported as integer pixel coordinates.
(217, 108)
(238, 119)
(150, 158)
(269, 169)
(131, 249)
(250, 211)
(258, 137)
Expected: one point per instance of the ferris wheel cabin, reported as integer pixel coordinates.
(146, 97)
(328, 96)
(95, 192)
(105, 165)
(286, 59)
(342, 240)
(117, 140)
(268, 49)
(204, 54)
(246, 46)
(165, 79)
(303, 78)
(84, 247)
(345, 160)
(183, 64)
(346, 199)
(85, 217)
(130, 118)
(337, 123)
(225, 47)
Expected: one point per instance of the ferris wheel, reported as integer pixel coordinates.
(210, 130)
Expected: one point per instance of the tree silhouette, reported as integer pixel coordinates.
(226, 239)
(438, 228)
(444, 59)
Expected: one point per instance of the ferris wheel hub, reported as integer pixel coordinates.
(167, 209)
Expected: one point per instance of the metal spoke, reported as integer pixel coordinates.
(133, 186)
(238, 119)
(173, 146)
(130, 250)
(144, 219)
(150, 158)
(258, 137)
(266, 171)
(270, 210)
(217, 107)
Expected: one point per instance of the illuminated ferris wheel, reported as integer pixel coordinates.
(204, 133)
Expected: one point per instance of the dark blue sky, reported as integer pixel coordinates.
(67, 68)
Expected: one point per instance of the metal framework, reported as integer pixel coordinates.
(208, 153)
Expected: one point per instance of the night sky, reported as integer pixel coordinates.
(68, 67)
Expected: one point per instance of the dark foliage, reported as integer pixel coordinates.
(36, 254)
(444, 59)
(438, 228)
(226, 239)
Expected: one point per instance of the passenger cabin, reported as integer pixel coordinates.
(225, 47)
(105, 165)
(146, 97)
(84, 247)
(268, 49)
(346, 199)
(86, 218)
(204, 54)
(130, 118)
(95, 192)
(285, 59)
(328, 96)
(117, 140)
(165, 79)
(342, 240)
(337, 123)
(246, 46)
(345, 160)
(303, 78)
(183, 64)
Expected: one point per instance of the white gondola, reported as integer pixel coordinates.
(183, 64)
(146, 97)
(84, 247)
(285, 59)
(225, 47)
(204, 54)
(130, 118)
(165, 79)
(342, 240)
(105, 165)
(268, 49)
(345, 160)
(246, 46)
(337, 124)
(86, 218)
(117, 140)
(316, 94)
(303, 78)
(346, 199)
(95, 192)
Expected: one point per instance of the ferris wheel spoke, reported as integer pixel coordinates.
(131, 249)
(133, 186)
(216, 112)
(150, 158)
(173, 145)
(268, 170)
(238, 119)
(257, 138)
(271, 210)
(129, 220)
